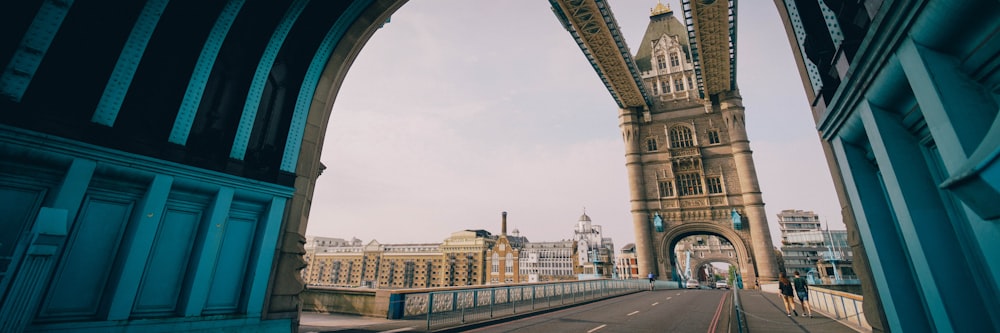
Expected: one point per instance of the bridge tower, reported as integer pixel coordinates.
(689, 163)
(695, 164)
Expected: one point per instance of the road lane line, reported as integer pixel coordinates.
(633, 312)
(596, 328)
(668, 298)
(654, 304)
(718, 312)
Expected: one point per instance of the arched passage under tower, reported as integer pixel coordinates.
(669, 262)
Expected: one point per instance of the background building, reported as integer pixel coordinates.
(805, 245)
(905, 98)
(595, 253)
(549, 261)
(503, 257)
(626, 265)
(458, 261)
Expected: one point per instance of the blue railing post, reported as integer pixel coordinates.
(856, 313)
(430, 308)
(513, 305)
(493, 299)
(533, 295)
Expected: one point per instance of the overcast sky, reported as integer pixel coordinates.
(457, 110)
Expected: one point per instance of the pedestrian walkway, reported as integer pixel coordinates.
(764, 312)
(311, 322)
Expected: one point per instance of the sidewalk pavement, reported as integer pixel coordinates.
(766, 313)
(311, 322)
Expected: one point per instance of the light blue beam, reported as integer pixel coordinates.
(293, 142)
(21, 69)
(199, 78)
(260, 79)
(128, 62)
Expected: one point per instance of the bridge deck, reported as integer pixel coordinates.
(764, 313)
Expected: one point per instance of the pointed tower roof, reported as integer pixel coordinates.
(660, 9)
(660, 23)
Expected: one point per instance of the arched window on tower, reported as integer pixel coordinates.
(661, 62)
(675, 60)
(509, 262)
(680, 137)
(496, 263)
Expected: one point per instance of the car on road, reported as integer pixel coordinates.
(692, 284)
(721, 284)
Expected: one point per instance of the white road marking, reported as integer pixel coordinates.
(668, 298)
(633, 312)
(596, 328)
(654, 304)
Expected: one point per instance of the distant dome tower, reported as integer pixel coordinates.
(584, 224)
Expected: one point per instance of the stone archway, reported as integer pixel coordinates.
(287, 283)
(744, 260)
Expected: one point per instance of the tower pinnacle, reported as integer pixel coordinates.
(660, 9)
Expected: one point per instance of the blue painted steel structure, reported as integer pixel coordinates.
(157, 158)
(906, 97)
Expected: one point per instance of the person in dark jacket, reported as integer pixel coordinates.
(802, 290)
(785, 287)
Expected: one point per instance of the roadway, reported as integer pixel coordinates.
(673, 310)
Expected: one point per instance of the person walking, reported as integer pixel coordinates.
(652, 279)
(802, 290)
(785, 288)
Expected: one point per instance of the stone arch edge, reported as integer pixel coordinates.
(286, 284)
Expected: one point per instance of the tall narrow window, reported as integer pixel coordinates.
(496, 263)
(509, 261)
(714, 185)
(690, 83)
(689, 184)
(661, 62)
(651, 144)
(713, 136)
(680, 137)
(666, 189)
(678, 85)
(656, 88)
(674, 60)
(664, 87)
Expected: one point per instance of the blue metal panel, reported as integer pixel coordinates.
(260, 78)
(168, 262)
(144, 225)
(293, 142)
(265, 255)
(21, 69)
(16, 212)
(81, 278)
(208, 252)
(231, 268)
(128, 61)
(202, 70)
(71, 192)
(876, 222)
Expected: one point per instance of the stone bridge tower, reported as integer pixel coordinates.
(688, 158)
